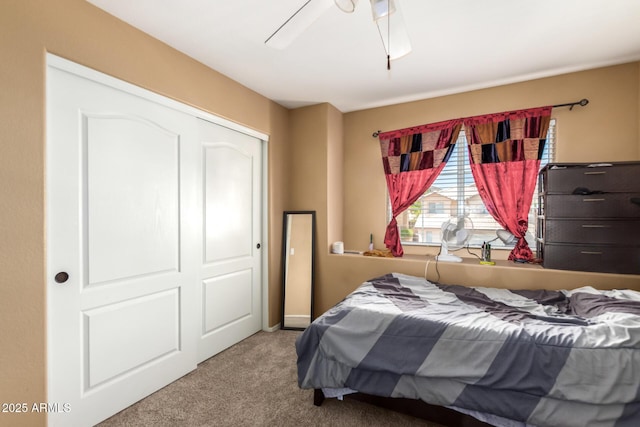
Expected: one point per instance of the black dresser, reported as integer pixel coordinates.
(589, 217)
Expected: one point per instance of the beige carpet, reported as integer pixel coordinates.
(253, 383)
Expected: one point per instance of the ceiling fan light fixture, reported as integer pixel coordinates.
(382, 8)
(347, 6)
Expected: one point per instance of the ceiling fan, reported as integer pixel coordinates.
(386, 15)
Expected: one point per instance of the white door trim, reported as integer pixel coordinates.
(98, 76)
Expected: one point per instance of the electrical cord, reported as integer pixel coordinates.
(426, 271)
(426, 267)
(437, 281)
(475, 255)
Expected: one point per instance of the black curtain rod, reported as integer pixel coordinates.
(582, 103)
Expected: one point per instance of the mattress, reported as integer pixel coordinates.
(539, 357)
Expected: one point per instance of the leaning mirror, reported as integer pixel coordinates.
(298, 230)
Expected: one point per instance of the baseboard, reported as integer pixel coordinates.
(297, 320)
(272, 328)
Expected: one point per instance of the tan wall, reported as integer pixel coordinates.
(335, 176)
(279, 177)
(78, 31)
(605, 130)
(309, 135)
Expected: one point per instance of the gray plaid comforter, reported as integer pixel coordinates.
(556, 358)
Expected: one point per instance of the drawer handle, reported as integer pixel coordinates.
(590, 253)
(595, 226)
(593, 200)
(595, 173)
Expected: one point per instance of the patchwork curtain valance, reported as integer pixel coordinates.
(504, 153)
(419, 148)
(505, 137)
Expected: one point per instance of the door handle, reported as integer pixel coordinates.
(61, 277)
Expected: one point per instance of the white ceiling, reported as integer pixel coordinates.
(458, 45)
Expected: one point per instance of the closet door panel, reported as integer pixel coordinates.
(120, 283)
(231, 269)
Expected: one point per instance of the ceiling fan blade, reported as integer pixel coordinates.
(298, 23)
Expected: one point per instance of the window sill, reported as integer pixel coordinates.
(431, 259)
(470, 260)
(497, 254)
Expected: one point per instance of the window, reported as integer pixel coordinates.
(436, 207)
(454, 193)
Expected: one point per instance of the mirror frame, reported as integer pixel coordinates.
(284, 264)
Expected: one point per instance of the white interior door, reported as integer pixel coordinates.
(121, 233)
(231, 205)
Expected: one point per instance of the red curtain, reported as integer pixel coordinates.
(504, 153)
(412, 159)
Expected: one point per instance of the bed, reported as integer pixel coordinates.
(505, 357)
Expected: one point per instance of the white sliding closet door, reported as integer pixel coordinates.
(154, 219)
(120, 197)
(231, 273)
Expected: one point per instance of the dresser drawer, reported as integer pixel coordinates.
(592, 231)
(621, 178)
(611, 205)
(596, 258)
